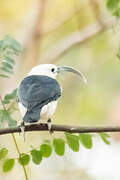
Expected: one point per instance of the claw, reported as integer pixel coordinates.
(49, 126)
(22, 128)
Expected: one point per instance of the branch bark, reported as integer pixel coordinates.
(61, 128)
(71, 41)
(32, 47)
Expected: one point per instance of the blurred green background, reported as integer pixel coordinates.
(77, 33)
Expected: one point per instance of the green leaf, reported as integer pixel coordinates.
(9, 59)
(10, 97)
(4, 68)
(3, 153)
(46, 150)
(8, 165)
(6, 101)
(105, 137)
(7, 65)
(11, 43)
(36, 156)
(117, 14)
(24, 159)
(86, 140)
(7, 98)
(59, 146)
(118, 56)
(2, 116)
(12, 123)
(72, 141)
(112, 4)
(14, 93)
(8, 48)
(1, 44)
(6, 116)
(4, 76)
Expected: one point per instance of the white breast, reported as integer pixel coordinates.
(48, 110)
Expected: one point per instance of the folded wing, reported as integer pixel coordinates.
(34, 92)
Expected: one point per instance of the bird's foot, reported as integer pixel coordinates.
(22, 128)
(50, 126)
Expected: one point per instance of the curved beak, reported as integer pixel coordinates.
(70, 69)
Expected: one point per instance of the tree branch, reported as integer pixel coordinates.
(71, 41)
(61, 128)
(96, 10)
(32, 47)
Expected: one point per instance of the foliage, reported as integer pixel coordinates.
(9, 47)
(36, 156)
(46, 148)
(72, 141)
(8, 165)
(86, 140)
(3, 153)
(114, 7)
(105, 138)
(5, 116)
(9, 97)
(59, 146)
(24, 159)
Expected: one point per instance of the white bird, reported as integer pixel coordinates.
(38, 93)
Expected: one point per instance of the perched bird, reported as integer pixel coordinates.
(38, 93)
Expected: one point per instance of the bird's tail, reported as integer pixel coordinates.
(32, 116)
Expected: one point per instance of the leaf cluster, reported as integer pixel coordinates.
(8, 107)
(45, 150)
(9, 48)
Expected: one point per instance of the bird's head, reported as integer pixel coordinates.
(51, 70)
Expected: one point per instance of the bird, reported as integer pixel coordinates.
(39, 91)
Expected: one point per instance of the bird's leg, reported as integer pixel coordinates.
(49, 126)
(22, 128)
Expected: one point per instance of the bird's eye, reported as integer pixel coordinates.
(53, 69)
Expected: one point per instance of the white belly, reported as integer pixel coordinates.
(46, 112)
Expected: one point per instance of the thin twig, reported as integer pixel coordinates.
(16, 145)
(62, 128)
(2, 103)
